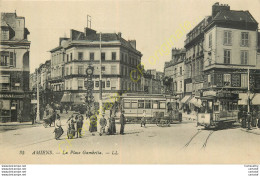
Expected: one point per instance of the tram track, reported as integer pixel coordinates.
(196, 135)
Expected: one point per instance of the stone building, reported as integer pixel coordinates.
(14, 69)
(73, 55)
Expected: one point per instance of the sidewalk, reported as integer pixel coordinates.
(254, 130)
(18, 123)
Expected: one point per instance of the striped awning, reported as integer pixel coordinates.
(185, 99)
(256, 99)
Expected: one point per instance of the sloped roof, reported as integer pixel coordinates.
(233, 15)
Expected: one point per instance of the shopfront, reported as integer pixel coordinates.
(11, 105)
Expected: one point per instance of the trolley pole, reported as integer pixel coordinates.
(100, 78)
(248, 91)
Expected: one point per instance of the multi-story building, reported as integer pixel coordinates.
(194, 63)
(43, 73)
(175, 69)
(151, 82)
(73, 55)
(14, 69)
(231, 51)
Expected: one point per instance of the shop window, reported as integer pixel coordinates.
(141, 104)
(127, 104)
(147, 104)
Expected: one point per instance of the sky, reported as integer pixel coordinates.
(150, 22)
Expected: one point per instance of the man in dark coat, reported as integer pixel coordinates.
(79, 125)
(93, 124)
(122, 122)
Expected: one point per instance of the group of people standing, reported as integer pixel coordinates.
(75, 125)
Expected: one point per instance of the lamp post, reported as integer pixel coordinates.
(100, 77)
(38, 99)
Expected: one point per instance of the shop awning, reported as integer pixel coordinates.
(256, 99)
(66, 98)
(196, 102)
(193, 100)
(243, 98)
(77, 98)
(185, 99)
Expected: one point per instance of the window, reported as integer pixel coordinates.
(134, 104)
(103, 84)
(80, 55)
(227, 79)
(108, 83)
(96, 83)
(113, 55)
(103, 68)
(141, 104)
(180, 70)
(155, 104)
(147, 104)
(244, 80)
(244, 39)
(210, 40)
(4, 35)
(81, 70)
(244, 57)
(103, 56)
(127, 104)
(80, 84)
(122, 57)
(91, 56)
(113, 84)
(70, 56)
(70, 70)
(113, 69)
(227, 38)
(227, 56)
(67, 57)
(162, 105)
(5, 83)
(126, 60)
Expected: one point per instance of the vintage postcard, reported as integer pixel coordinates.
(130, 82)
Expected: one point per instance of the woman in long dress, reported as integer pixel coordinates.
(58, 129)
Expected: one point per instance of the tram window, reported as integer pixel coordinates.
(162, 105)
(140, 104)
(234, 106)
(134, 104)
(216, 107)
(127, 104)
(147, 104)
(209, 108)
(155, 105)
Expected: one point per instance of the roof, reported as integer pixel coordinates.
(233, 15)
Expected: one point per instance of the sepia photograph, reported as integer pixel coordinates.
(130, 82)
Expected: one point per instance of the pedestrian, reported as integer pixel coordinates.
(143, 120)
(33, 113)
(66, 108)
(79, 124)
(103, 123)
(58, 129)
(249, 120)
(19, 115)
(244, 117)
(258, 119)
(71, 127)
(113, 125)
(61, 109)
(122, 122)
(254, 118)
(92, 124)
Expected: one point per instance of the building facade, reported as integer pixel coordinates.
(71, 58)
(175, 69)
(14, 69)
(231, 41)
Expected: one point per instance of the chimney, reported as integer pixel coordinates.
(89, 31)
(119, 34)
(219, 7)
(133, 43)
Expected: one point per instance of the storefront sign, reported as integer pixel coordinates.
(11, 96)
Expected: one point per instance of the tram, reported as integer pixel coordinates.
(154, 107)
(218, 109)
